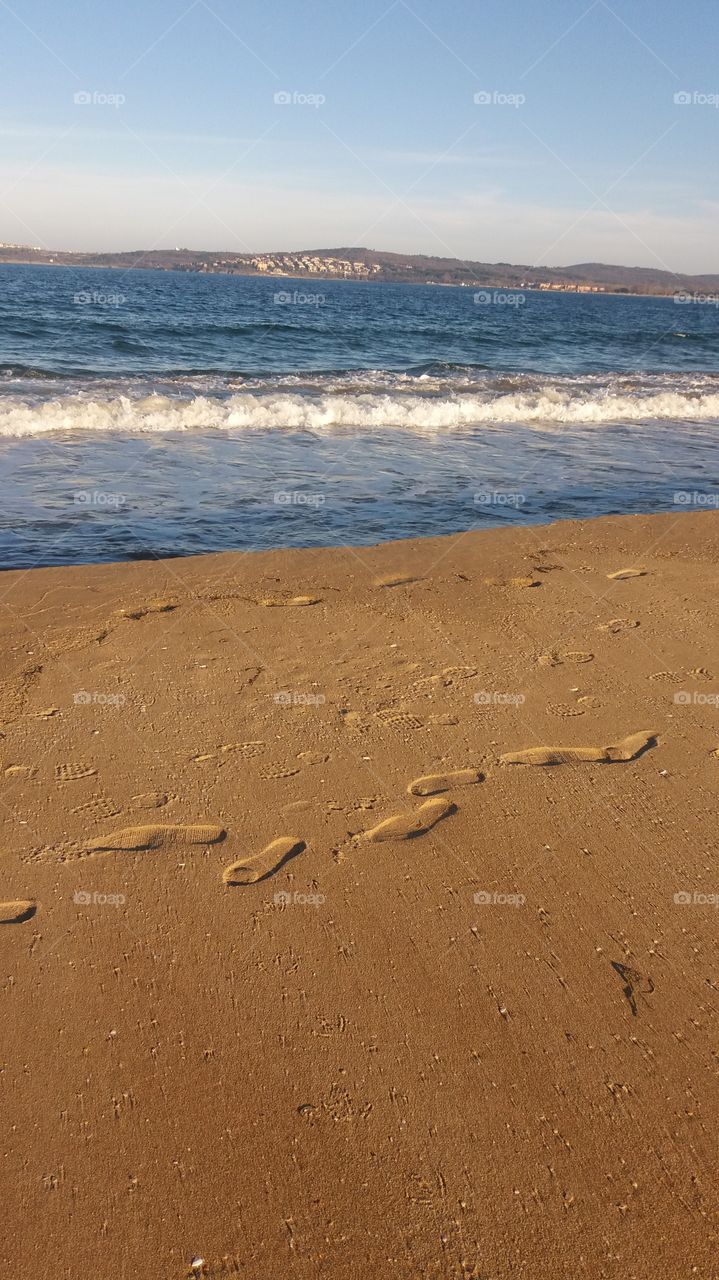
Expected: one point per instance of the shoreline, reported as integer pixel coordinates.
(384, 870)
(340, 279)
(411, 550)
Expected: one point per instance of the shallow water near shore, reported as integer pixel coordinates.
(72, 499)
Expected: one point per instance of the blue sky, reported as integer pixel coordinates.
(155, 123)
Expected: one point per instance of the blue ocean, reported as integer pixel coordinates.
(150, 413)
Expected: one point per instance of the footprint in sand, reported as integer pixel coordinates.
(155, 606)
(396, 580)
(620, 574)
(67, 851)
(431, 784)
(297, 806)
(274, 772)
(425, 685)
(264, 864)
(565, 709)
(98, 807)
(556, 658)
(155, 837)
(17, 912)
(27, 771)
(313, 757)
(151, 800)
(245, 749)
(445, 679)
(400, 719)
(295, 602)
(628, 749)
(405, 826)
(15, 691)
(73, 772)
(617, 625)
(452, 676)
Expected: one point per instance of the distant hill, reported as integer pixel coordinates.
(358, 263)
(604, 273)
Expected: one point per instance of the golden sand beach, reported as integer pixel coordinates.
(360, 910)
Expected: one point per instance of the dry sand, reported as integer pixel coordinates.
(299, 979)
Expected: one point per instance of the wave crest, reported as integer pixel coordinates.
(544, 404)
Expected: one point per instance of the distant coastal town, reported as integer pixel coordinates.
(371, 265)
(305, 264)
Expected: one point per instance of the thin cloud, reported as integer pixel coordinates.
(44, 133)
(250, 211)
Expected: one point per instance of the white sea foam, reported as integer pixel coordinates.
(543, 405)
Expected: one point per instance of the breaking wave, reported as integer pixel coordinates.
(434, 408)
